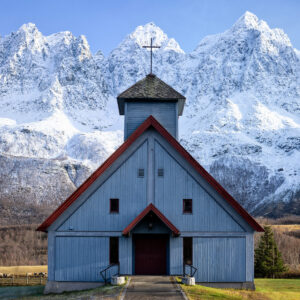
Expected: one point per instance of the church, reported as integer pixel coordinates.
(151, 208)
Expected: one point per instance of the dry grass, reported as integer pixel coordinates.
(21, 280)
(287, 228)
(23, 270)
(23, 275)
(287, 236)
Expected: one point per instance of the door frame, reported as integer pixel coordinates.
(147, 235)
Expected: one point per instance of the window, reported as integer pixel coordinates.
(188, 250)
(160, 172)
(187, 206)
(114, 206)
(113, 250)
(141, 172)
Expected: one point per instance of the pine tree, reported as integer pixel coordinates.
(268, 260)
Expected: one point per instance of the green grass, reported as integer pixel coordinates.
(266, 289)
(15, 292)
(36, 292)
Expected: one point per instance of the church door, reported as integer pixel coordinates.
(150, 254)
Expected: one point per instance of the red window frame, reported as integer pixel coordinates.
(184, 201)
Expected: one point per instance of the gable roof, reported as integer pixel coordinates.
(150, 88)
(151, 122)
(143, 214)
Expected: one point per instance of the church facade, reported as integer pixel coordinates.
(150, 208)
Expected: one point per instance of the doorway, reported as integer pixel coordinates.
(150, 254)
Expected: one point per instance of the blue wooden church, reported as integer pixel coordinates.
(151, 208)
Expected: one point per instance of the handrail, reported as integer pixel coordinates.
(193, 270)
(107, 268)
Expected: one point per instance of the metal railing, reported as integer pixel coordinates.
(104, 272)
(192, 272)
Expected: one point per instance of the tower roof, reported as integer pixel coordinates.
(150, 88)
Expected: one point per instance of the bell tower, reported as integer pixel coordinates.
(150, 96)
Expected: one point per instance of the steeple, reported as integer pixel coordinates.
(150, 96)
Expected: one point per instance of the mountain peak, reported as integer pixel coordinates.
(247, 20)
(29, 28)
(143, 33)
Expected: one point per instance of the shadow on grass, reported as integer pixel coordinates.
(13, 292)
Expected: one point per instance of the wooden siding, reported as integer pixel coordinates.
(125, 255)
(137, 112)
(93, 214)
(81, 258)
(249, 257)
(223, 250)
(220, 259)
(177, 184)
(176, 256)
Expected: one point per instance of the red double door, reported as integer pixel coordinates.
(150, 254)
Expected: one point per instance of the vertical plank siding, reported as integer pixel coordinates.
(249, 257)
(94, 213)
(220, 259)
(81, 258)
(176, 185)
(137, 112)
(176, 256)
(125, 255)
(222, 248)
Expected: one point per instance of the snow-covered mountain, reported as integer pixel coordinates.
(59, 118)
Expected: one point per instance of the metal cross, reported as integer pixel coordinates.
(151, 47)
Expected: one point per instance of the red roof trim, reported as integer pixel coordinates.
(150, 121)
(160, 215)
(83, 187)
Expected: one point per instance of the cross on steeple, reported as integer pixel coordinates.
(151, 47)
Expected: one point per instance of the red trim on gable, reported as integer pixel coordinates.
(83, 187)
(150, 121)
(160, 215)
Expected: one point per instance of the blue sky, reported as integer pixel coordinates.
(106, 22)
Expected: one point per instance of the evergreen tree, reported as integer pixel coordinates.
(268, 260)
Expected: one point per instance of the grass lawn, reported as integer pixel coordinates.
(266, 289)
(36, 292)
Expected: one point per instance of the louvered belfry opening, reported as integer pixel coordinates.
(150, 96)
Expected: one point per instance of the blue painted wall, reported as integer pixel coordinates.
(164, 112)
(176, 185)
(220, 259)
(220, 251)
(94, 213)
(80, 258)
(176, 255)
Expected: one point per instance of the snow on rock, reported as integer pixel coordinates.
(58, 110)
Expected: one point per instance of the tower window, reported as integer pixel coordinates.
(114, 206)
(187, 206)
(188, 250)
(141, 172)
(160, 172)
(113, 250)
